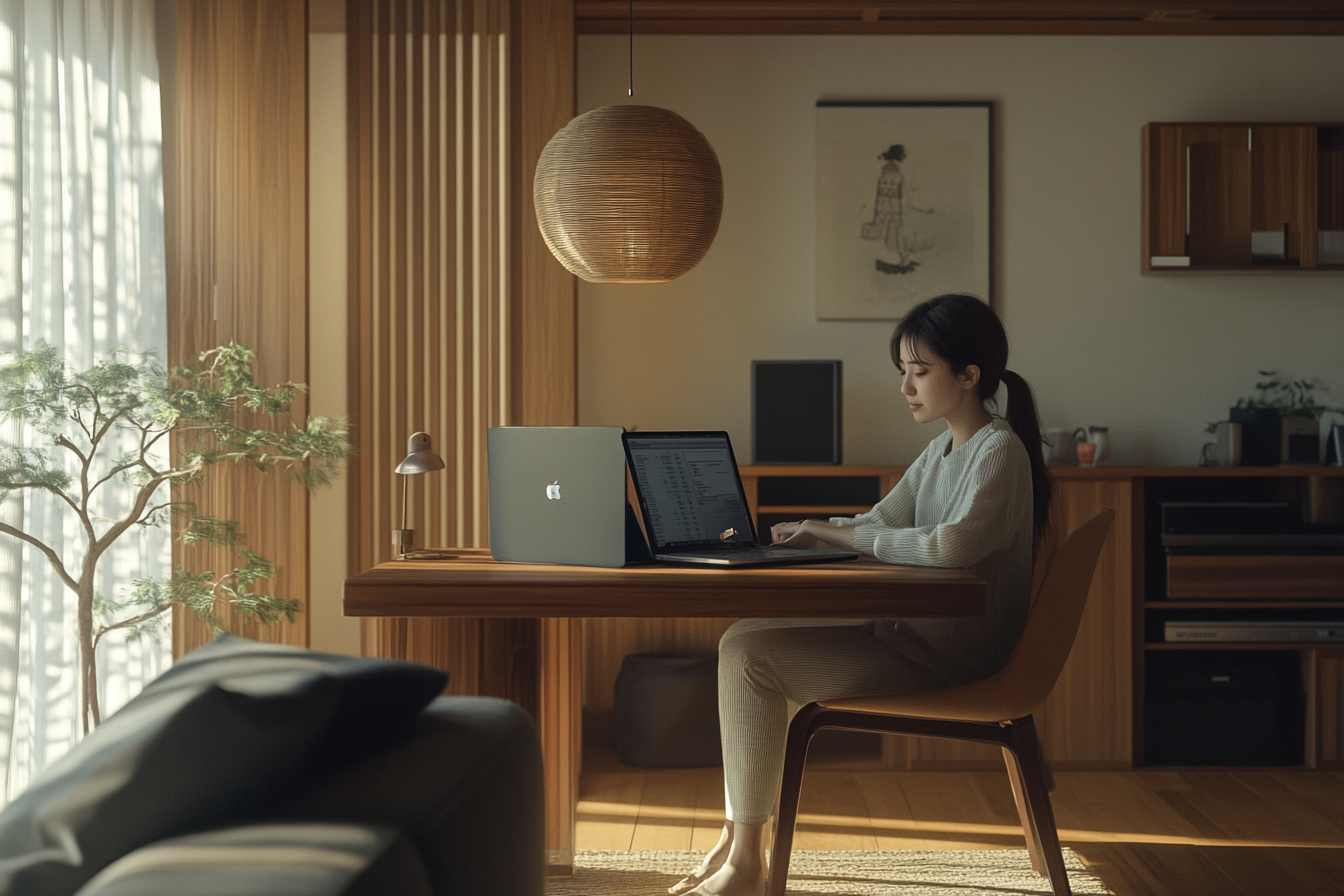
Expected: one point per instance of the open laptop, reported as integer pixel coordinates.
(694, 509)
(558, 495)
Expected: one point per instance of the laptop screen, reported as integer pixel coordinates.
(688, 489)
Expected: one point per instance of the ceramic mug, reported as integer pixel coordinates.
(1225, 450)
(1099, 437)
(1227, 438)
(1057, 443)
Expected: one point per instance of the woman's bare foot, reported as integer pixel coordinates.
(734, 867)
(732, 881)
(690, 882)
(714, 860)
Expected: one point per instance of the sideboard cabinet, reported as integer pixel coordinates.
(1243, 196)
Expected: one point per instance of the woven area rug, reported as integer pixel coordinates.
(980, 872)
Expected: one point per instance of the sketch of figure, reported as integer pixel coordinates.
(888, 224)
(888, 208)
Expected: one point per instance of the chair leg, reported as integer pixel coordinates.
(1025, 751)
(790, 788)
(1033, 836)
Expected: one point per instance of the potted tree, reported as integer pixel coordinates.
(112, 422)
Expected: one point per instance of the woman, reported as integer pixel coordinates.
(977, 498)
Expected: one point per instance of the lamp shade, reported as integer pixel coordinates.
(628, 194)
(420, 457)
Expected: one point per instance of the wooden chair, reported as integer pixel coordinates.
(996, 710)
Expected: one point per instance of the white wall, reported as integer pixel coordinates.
(329, 629)
(1154, 357)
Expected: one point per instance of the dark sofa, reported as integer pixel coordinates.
(264, 770)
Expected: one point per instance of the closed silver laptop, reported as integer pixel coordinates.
(558, 495)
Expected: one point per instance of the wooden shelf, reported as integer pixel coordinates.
(1054, 17)
(1235, 604)
(1245, 645)
(1280, 471)
(1255, 576)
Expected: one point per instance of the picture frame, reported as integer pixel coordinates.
(904, 205)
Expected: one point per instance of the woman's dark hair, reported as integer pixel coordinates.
(962, 330)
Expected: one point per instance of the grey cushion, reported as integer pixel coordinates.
(213, 738)
(314, 859)
(463, 781)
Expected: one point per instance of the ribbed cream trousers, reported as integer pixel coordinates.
(766, 663)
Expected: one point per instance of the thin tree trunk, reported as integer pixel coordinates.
(88, 669)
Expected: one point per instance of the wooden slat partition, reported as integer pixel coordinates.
(427, 263)
(460, 319)
(236, 215)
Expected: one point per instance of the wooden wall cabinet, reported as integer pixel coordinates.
(1265, 197)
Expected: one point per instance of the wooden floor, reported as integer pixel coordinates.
(1147, 832)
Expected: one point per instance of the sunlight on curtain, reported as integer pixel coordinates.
(81, 266)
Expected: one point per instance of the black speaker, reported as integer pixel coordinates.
(795, 412)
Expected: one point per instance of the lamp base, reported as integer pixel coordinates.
(403, 540)
(428, 554)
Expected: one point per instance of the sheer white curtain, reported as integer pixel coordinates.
(82, 266)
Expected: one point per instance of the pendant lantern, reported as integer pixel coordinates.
(628, 194)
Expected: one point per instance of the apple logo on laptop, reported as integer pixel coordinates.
(553, 491)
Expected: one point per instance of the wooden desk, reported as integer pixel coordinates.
(537, 657)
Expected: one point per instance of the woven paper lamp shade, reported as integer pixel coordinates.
(628, 194)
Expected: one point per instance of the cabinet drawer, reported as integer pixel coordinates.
(1284, 576)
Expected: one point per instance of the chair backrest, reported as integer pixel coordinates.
(1052, 623)
(1034, 666)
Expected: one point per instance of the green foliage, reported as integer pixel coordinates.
(214, 403)
(202, 592)
(1289, 397)
(31, 469)
(111, 422)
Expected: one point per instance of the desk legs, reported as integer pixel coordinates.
(561, 724)
(536, 663)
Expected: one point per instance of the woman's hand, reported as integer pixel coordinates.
(793, 534)
(812, 534)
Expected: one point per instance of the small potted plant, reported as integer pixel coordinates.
(1281, 422)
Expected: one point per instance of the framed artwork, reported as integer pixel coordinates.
(904, 205)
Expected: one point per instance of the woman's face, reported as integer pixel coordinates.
(931, 388)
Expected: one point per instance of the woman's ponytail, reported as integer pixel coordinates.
(1022, 418)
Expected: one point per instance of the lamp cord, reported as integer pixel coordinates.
(631, 67)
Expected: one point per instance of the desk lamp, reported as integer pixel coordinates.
(420, 458)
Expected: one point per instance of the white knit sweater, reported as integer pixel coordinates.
(969, 508)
